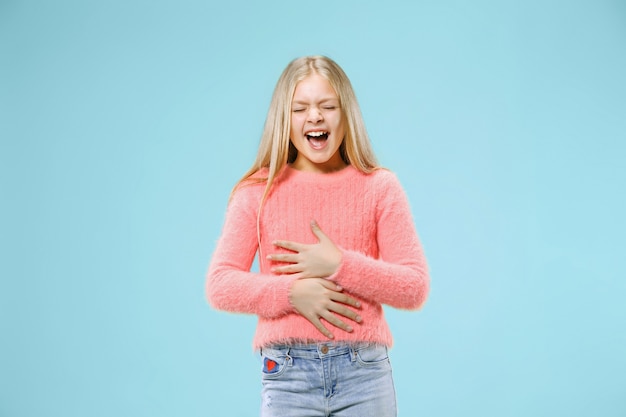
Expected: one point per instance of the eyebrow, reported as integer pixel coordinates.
(324, 100)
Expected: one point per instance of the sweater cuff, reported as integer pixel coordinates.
(281, 301)
(349, 274)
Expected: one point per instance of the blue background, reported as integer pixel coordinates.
(124, 124)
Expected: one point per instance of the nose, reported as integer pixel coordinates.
(315, 115)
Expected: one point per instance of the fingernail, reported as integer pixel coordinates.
(330, 336)
(358, 319)
(358, 304)
(339, 288)
(349, 328)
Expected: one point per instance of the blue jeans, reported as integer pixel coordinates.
(327, 379)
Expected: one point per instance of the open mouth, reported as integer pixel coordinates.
(317, 139)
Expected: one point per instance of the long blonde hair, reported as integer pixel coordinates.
(276, 149)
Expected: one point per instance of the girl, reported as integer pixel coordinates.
(335, 240)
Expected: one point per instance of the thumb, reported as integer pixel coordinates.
(315, 228)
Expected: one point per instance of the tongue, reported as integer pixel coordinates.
(317, 143)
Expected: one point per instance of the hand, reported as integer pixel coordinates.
(319, 298)
(308, 261)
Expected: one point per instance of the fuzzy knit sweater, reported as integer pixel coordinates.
(368, 218)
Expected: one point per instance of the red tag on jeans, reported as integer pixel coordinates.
(270, 365)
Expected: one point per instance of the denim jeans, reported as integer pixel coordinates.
(327, 379)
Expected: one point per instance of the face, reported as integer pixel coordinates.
(317, 128)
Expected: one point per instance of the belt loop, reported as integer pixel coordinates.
(289, 360)
(352, 353)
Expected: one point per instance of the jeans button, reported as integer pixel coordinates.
(324, 349)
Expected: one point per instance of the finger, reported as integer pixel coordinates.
(317, 231)
(287, 269)
(346, 299)
(346, 312)
(295, 275)
(330, 285)
(335, 321)
(318, 324)
(286, 244)
(283, 257)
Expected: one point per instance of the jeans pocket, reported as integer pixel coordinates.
(372, 356)
(275, 363)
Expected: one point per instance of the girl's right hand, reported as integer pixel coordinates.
(318, 298)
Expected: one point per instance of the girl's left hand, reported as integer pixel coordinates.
(319, 260)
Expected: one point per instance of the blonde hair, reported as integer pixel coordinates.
(276, 149)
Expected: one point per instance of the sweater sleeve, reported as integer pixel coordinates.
(399, 277)
(230, 285)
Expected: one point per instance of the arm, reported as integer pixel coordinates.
(230, 285)
(399, 277)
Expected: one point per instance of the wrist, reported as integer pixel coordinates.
(336, 264)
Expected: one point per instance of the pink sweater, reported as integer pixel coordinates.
(366, 215)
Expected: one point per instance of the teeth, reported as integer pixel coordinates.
(316, 134)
